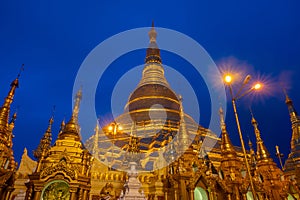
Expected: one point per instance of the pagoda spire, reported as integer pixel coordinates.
(153, 72)
(252, 154)
(96, 141)
(230, 163)
(71, 129)
(295, 141)
(183, 133)
(45, 142)
(5, 109)
(291, 165)
(262, 153)
(226, 145)
(6, 127)
(153, 52)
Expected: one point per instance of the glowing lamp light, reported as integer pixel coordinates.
(228, 79)
(120, 128)
(257, 86)
(110, 128)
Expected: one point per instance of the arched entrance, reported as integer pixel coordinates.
(200, 194)
(56, 190)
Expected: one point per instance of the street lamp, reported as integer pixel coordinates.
(241, 92)
(113, 129)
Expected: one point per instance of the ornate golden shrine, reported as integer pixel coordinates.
(66, 170)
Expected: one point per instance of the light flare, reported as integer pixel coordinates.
(257, 86)
(228, 78)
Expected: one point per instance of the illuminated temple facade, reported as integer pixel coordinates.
(149, 157)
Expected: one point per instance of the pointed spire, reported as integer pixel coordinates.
(5, 109)
(76, 106)
(45, 142)
(252, 153)
(183, 133)
(153, 52)
(153, 72)
(96, 141)
(292, 110)
(226, 145)
(262, 152)
(295, 120)
(62, 125)
(71, 129)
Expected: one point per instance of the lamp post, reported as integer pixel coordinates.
(113, 129)
(228, 80)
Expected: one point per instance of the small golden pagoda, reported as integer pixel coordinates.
(63, 170)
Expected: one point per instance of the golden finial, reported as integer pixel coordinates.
(250, 143)
(226, 145)
(180, 99)
(62, 125)
(78, 98)
(45, 142)
(294, 118)
(262, 152)
(5, 109)
(72, 127)
(25, 151)
(97, 127)
(153, 52)
(183, 134)
(96, 140)
(222, 120)
(287, 98)
(51, 120)
(152, 34)
(14, 84)
(255, 125)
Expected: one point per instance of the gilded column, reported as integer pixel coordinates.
(166, 195)
(37, 195)
(8, 195)
(85, 195)
(212, 194)
(176, 195)
(73, 195)
(192, 193)
(80, 193)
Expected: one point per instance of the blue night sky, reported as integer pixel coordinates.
(52, 39)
